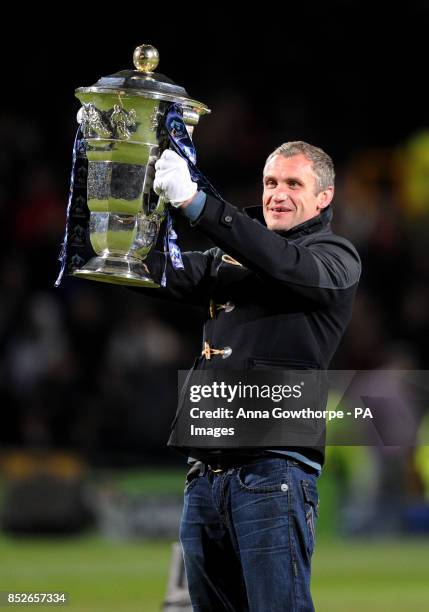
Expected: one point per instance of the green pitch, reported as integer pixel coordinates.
(101, 576)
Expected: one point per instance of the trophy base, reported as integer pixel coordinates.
(118, 271)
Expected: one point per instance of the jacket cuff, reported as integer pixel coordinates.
(216, 212)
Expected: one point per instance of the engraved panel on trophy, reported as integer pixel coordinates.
(99, 179)
(127, 181)
(115, 184)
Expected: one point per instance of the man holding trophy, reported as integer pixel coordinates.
(278, 289)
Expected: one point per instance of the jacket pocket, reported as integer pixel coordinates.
(261, 363)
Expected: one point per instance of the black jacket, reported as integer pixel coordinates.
(288, 304)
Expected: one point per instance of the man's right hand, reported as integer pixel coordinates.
(173, 180)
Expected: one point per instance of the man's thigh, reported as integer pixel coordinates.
(212, 566)
(274, 521)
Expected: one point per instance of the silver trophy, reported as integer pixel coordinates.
(122, 120)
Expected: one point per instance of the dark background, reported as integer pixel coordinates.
(93, 368)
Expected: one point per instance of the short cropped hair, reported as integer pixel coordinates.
(323, 166)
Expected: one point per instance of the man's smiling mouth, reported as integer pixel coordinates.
(280, 209)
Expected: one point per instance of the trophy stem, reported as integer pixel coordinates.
(117, 270)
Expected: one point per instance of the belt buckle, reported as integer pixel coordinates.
(217, 470)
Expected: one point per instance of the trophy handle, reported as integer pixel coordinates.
(160, 208)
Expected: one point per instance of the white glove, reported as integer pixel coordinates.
(172, 178)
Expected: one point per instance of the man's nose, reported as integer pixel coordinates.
(280, 196)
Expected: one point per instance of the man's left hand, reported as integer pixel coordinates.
(173, 180)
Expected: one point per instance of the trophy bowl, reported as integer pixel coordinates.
(122, 124)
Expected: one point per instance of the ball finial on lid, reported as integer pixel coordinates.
(146, 58)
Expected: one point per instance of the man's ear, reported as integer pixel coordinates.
(325, 198)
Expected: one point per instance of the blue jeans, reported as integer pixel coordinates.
(248, 534)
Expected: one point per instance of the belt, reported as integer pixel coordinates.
(228, 463)
(216, 470)
(232, 462)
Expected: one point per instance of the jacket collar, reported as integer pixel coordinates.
(315, 224)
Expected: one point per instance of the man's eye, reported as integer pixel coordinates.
(269, 183)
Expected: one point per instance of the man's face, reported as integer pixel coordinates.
(289, 196)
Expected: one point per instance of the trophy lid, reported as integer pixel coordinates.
(144, 82)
